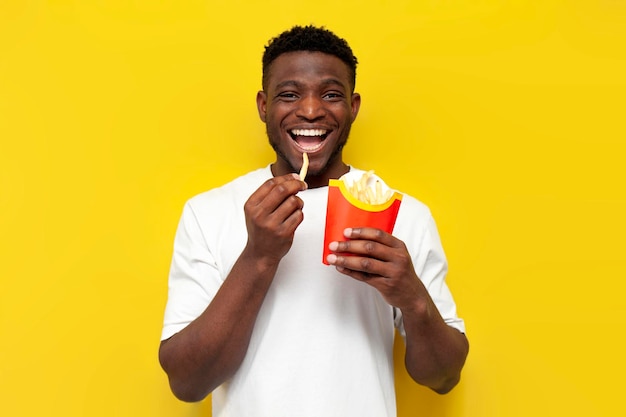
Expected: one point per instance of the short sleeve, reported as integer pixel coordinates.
(194, 277)
(431, 266)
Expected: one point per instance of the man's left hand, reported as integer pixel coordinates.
(380, 260)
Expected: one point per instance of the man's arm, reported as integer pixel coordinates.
(210, 349)
(435, 352)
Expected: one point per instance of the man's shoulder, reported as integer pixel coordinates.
(415, 205)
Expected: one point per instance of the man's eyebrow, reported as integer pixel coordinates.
(332, 81)
(325, 82)
(288, 83)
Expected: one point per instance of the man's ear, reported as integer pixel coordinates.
(355, 105)
(261, 104)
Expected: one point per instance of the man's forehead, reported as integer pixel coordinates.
(293, 67)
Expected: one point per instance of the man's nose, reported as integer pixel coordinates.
(310, 107)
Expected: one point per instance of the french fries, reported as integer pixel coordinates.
(305, 165)
(366, 193)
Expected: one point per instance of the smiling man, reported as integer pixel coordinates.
(308, 104)
(254, 317)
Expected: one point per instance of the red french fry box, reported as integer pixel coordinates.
(345, 210)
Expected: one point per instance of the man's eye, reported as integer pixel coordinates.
(287, 96)
(332, 96)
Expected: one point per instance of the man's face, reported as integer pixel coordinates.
(308, 106)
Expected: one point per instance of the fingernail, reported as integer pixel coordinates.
(331, 258)
(333, 246)
(347, 232)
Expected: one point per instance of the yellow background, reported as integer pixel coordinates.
(505, 117)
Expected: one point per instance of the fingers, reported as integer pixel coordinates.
(275, 190)
(368, 250)
(273, 212)
(276, 201)
(370, 233)
(367, 241)
(380, 260)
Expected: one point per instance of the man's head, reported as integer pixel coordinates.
(312, 39)
(308, 101)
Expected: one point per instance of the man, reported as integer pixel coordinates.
(253, 315)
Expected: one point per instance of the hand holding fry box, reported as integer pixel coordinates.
(355, 201)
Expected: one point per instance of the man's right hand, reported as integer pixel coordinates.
(273, 213)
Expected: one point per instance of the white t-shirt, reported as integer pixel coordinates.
(322, 344)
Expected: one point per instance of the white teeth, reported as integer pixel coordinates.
(308, 132)
(311, 148)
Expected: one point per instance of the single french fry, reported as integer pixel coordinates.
(388, 195)
(363, 196)
(365, 178)
(305, 166)
(379, 193)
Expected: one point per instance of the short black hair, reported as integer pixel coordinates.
(309, 38)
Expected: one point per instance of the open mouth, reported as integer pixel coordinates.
(309, 140)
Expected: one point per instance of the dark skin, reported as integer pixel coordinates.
(435, 352)
(308, 106)
(309, 91)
